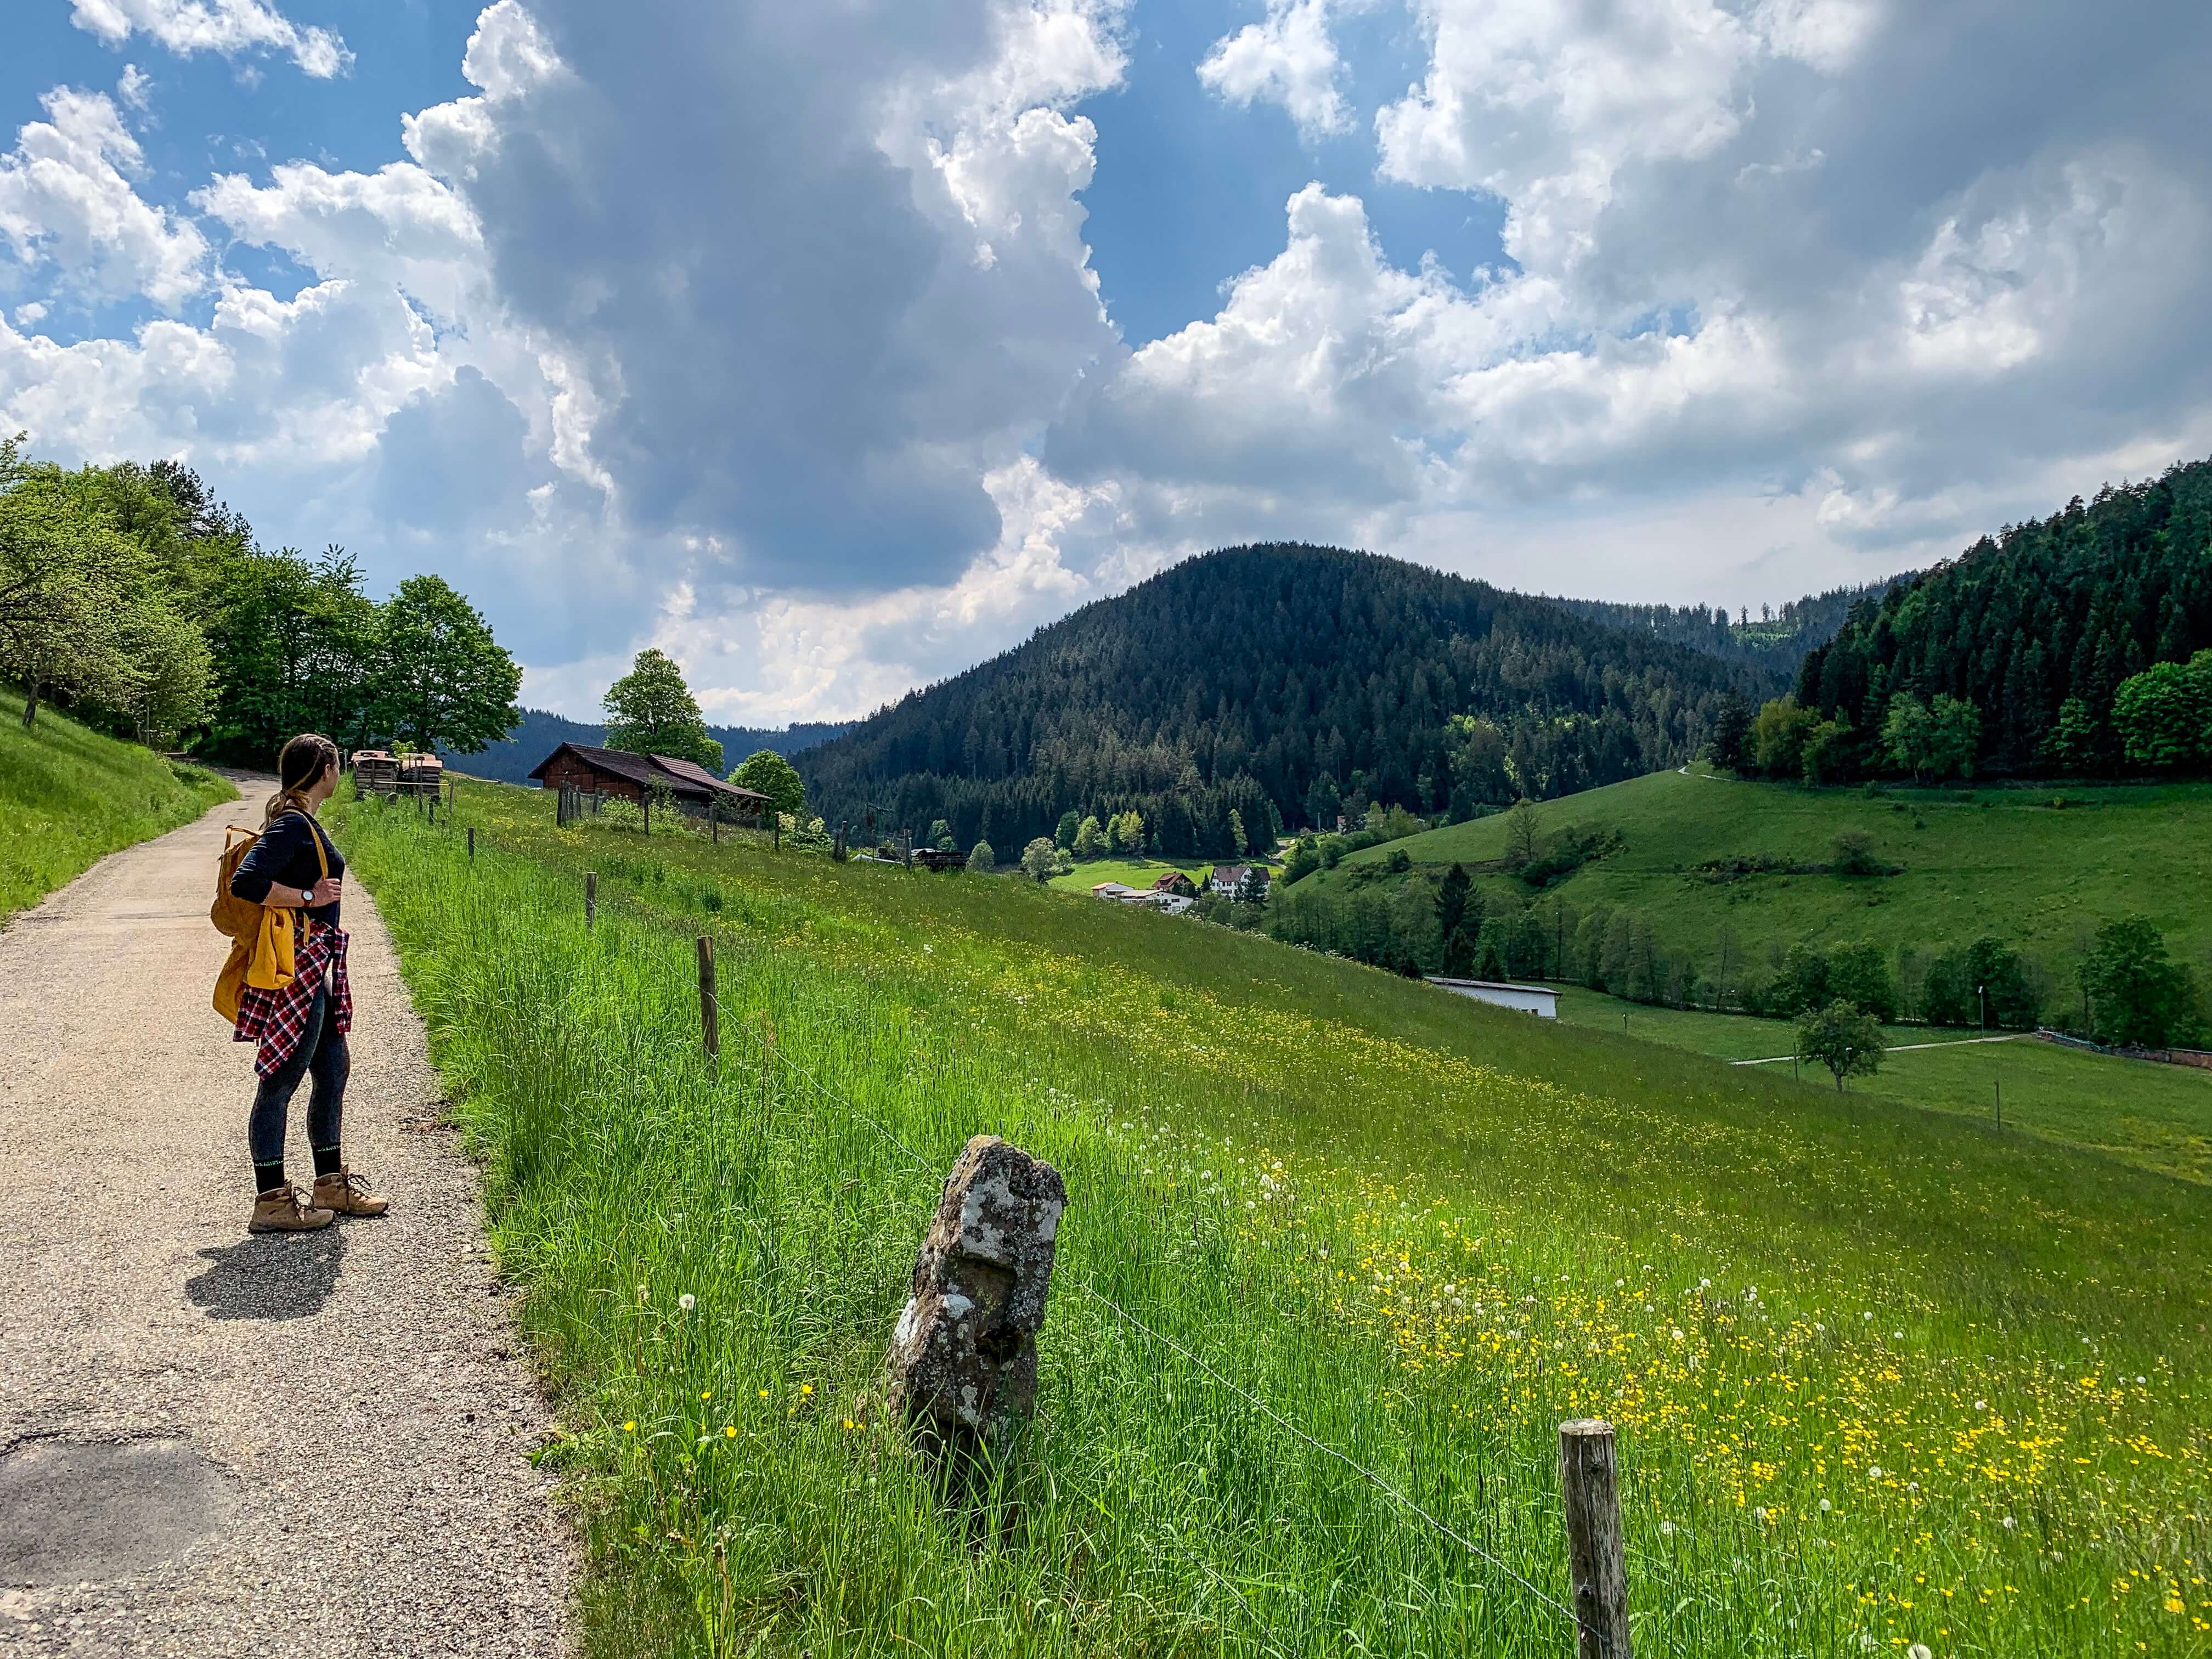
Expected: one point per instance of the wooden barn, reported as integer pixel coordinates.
(617, 775)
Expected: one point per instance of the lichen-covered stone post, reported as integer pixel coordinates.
(963, 1361)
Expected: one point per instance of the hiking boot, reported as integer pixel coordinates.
(280, 1210)
(347, 1193)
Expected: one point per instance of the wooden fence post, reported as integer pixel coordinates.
(715, 822)
(1591, 1492)
(779, 832)
(473, 844)
(591, 898)
(710, 1012)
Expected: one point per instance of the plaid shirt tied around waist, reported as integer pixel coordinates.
(279, 1019)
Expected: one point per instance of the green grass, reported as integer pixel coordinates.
(2003, 861)
(68, 797)
(2153, 1116)
(1133, 872)
(1422, 1231)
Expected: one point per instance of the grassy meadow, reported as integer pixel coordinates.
(70, 796)
(1881, 1377)
(1132, 873)
(2061, 869)
(2156, 1117)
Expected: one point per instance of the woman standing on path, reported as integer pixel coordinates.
(302, 1025)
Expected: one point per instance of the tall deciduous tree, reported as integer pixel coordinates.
(651, 711)
(767, 772)
(1841, 1037)
(2138, 993)
(442, 680)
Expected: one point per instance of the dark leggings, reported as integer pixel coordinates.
(321, 1056)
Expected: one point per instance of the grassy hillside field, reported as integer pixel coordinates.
(1881, 1377)
(68, 797)
(2156, 1117)
(1975, 861)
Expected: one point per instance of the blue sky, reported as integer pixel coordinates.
(834, 349)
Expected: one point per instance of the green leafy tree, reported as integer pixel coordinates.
(1778, 735)
(1090, 839)
(1040, 858)
(442, 681)
(1521, 834)
(2138, 996)
(1908, 735)
(296, 646)
(767, 772)
(1842, 1038)
(651, 711)
(2078, 741)
(1237, 842)
(2163, 716)
(1859, 975)
(982, 860)
(1955, 736)
(68, 581)
(1957, 981)
(1304, 859)
(1064, 837)
(1826, 754)
(940, 836)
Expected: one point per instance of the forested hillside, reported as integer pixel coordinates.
(1282, 684)
(538, 732)
(2056, 646)
(1775, 639)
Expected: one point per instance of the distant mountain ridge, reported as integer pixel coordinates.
(1280, 683)
(539, 732)
(1778, 641)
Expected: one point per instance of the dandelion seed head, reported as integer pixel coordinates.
(687, 1302)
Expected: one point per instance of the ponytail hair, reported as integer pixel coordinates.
(303, 761)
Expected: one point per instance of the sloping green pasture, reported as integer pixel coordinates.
(2156, 1116)
(68, 797)
(1979, 861)
(1879, 1376)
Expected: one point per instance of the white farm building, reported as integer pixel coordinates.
(1538, 999)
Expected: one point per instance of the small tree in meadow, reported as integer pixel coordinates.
(1090, 839)
(1842, 1038)
(1039, 858)
(982, 860)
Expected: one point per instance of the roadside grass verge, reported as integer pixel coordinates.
(70, 796)
(1876, 1375)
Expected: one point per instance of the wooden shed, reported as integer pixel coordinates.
(618, 774)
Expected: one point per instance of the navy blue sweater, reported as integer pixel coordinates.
(285, 857)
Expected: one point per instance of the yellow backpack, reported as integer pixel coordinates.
(261, 939)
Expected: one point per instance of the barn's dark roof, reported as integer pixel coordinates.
(679, 777)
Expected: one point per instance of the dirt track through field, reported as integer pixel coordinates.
(217, 1445)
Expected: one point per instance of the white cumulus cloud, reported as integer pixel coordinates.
(226, 27)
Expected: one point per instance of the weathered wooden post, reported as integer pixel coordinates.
(710, 1010)
(963, 1361)
(779, 832)
(1590, 1491)
(591, 898)
(472, 845)
(844, 829)
(715, 822)
(646, 802)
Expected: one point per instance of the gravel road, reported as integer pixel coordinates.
(217, 1445)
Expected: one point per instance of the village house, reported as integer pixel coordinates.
(617, 775)
(1228, 877)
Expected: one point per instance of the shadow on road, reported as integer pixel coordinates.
(269, 1275)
